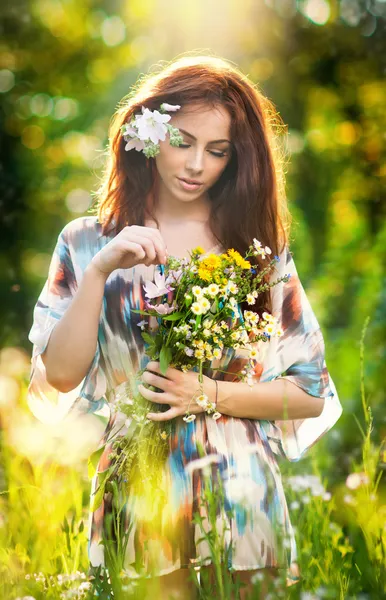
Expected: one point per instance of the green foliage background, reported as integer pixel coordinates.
(65, 64)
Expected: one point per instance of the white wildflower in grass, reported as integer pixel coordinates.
(355, 480)
(295, 505)
(197, 291)
(196, 308)
(326, 496)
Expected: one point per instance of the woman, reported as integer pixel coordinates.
(87, 341)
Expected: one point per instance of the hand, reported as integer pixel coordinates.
(178, 390)
(133, 245)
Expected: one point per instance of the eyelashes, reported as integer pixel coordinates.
(217, 154)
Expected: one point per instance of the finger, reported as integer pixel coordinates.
(159, 397)
(147, 244)
(163, 416)
(155, 365)
(154, 235)
(161, 382)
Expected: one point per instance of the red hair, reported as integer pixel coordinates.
(248, 200)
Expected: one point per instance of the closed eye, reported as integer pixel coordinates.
(218, 154)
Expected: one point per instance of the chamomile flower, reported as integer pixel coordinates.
(206, 332)
(217, 352)
(213, 289)
(279, 332)
(199, 353)
(196, 308)
(251, 299)
(205, 304)
(232, 287)
(197, 291)
(189, 418)
(253, 354)
(202, 400)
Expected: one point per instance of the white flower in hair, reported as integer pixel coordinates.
(151, 125)
(146, 130)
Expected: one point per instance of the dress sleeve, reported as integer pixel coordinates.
(48, 404)
(298, 356)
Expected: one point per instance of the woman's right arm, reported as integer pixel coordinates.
(71, 347)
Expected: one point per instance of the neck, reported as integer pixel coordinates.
(171, 209)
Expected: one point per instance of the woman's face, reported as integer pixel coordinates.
(203, 155)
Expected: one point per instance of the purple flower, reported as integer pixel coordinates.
(159, 288)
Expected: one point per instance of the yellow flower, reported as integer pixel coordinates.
(164, 435)
(204, 274)
(238, 259)
(198, 250)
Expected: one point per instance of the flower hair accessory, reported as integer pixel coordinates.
(145, 130)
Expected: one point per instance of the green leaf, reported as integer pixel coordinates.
(96, 499)
(173, 316)
(140, 312)
(165, 358)
(147, 337)
(93, 461)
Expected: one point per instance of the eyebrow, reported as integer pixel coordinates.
(192, 136)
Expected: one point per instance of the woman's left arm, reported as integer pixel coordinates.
(270, 400)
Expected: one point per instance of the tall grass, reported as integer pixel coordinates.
(340, 532)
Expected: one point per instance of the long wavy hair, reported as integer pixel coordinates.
(248, 200)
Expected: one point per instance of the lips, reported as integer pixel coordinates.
(192, 181)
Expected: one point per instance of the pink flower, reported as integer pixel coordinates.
(173, 277)
(158, 288)
(161, 309)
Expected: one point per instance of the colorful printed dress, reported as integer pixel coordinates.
(242, 451)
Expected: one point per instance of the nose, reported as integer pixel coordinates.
(195, 161)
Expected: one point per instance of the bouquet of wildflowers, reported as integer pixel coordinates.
(196, 304)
